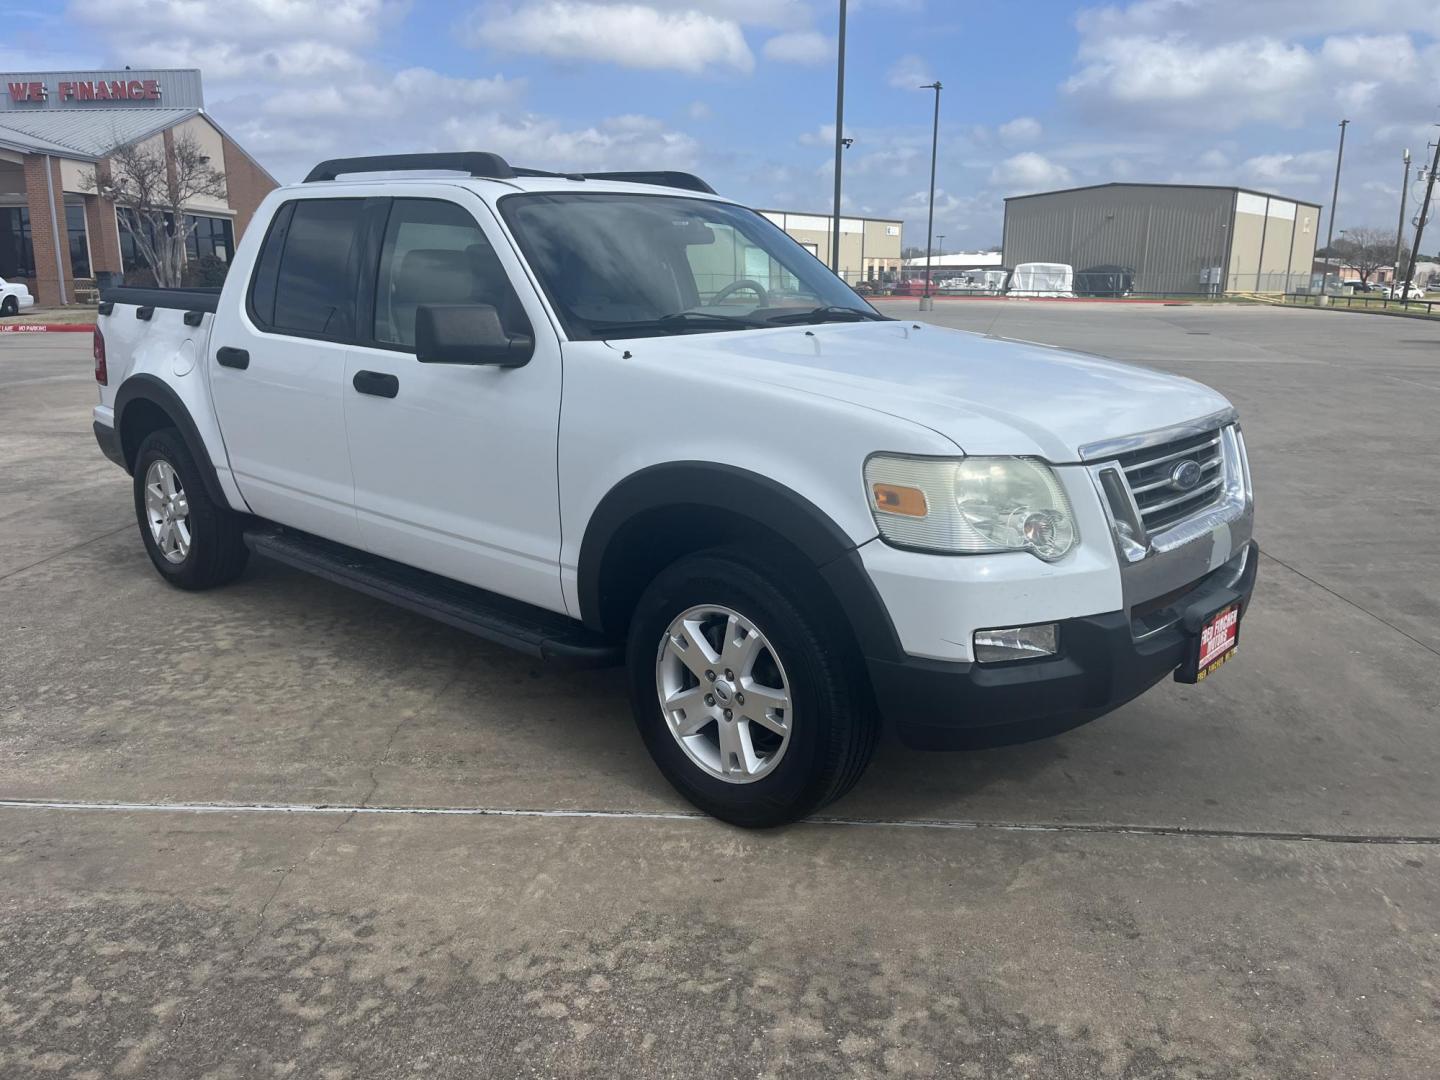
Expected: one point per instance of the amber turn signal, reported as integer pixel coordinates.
(894, 499)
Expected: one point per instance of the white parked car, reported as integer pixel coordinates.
(14, 297)
(616, 418)
(1415, 292)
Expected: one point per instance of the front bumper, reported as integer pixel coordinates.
(1104, 661)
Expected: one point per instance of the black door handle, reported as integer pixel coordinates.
(376, 383)
(225, 356)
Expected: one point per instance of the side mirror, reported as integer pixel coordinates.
(468, 334)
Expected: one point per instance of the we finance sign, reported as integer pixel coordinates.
(70, 90)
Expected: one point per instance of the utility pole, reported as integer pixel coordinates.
(1334, 200)
(927, 301)
(1400, 226)
(839, 141)
(1420, 223)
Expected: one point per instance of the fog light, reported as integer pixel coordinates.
(1016, 643)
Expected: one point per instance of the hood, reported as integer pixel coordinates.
(987, 395)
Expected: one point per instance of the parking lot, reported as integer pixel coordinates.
(281, 829)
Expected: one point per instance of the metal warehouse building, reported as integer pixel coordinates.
(1177, 238)
(869, 247)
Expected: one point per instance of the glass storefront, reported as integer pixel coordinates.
(79, 248)
(17, 254)
(210, 237)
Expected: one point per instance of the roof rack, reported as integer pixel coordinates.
(491, 167)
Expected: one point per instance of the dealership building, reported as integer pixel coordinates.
(1176, 238)
(57, 233)
(869, 247)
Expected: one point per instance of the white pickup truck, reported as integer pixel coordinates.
(618, 419)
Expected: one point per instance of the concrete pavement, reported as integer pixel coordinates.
(1132, 899)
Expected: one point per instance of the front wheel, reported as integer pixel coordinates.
(746, 697)
(9, 306)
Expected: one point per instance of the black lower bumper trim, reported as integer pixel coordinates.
(109, 442)
(937, 705)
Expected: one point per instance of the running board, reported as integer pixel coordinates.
(528, 629)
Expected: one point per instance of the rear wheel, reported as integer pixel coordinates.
(749, 702)
(193, 541)
(10, 306)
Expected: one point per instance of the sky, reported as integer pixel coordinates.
(1038, 95)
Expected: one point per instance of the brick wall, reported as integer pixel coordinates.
(104, 240)
(246, 185)
(51, 251)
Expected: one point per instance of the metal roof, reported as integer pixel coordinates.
(1143, 184)
(85, 133)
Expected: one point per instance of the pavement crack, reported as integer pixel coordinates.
(63, 551)
(939, 824)
(1358, 607)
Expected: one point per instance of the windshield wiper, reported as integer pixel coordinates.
(829, 313)
(679, 323)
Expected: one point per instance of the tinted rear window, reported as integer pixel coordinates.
(313, 291)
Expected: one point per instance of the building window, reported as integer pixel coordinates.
(79, 247)
(17, 255)
(130, 256)
(210, 237)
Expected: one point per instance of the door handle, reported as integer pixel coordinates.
(225, 356)
(377, 383)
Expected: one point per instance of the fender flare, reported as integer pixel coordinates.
(746, 495)
(149, 388)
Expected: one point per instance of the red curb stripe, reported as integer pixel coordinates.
(47, 328)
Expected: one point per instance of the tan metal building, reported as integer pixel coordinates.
(869, 247)
(1177, 238)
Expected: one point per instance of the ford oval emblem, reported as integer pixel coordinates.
(1185, 476)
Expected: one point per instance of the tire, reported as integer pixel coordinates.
(829, 724)
(10, 306)
(206, 546)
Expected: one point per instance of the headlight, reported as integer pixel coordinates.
(970, 506)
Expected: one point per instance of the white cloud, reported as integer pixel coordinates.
(1229, 19)
(1221, 85)
(699, 110)
(1029, 172)
(543, 142)
(397, 95)
(910, 72)
(1022, 129)
(632, 35)
(824, 135)
(338, 22)
(801, 47)
(1309, 167)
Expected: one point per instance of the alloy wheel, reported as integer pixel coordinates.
(724, 693)
(167, 511)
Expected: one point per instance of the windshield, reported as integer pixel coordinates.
(616, 265)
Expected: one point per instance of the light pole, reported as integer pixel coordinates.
(940, 246)
(927, 301)
(1420, 223)
(839, 141)
(1400, 226)
(1334, 199)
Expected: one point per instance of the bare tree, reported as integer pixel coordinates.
(1367, 250)
(152, 192)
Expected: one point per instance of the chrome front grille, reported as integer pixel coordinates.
(1156, 477)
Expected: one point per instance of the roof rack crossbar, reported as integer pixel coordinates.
(662, 178)
(488, 166)
(492, 167)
